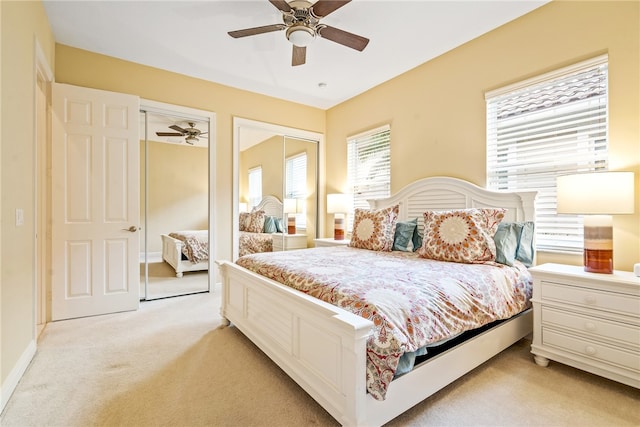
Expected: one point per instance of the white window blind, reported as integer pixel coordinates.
(296, 184)
(255, 186)
(552, 125)
(369, 167)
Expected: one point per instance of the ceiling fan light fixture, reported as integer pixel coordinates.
(300, 35)
(191, 139)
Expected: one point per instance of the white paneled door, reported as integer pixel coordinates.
(95, 203)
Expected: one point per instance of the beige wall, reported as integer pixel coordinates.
(269, 155)
(22, 24)
(437, 110)
(177, 190)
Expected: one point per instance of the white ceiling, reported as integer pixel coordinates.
(190, 37)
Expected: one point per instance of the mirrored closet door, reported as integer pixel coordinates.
(174, 243)
(276, 171)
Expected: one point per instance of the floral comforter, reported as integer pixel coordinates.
(411, 301)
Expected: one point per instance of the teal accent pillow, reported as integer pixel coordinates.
(525, 251)
(416, 239)
(514, 241)
(270, 224)
(279, 225)
(402, 240)
(506, 239)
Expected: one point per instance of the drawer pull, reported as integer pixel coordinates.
(590, 350)
(590, 326)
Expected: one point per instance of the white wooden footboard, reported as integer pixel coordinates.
(321, 347)
(172, 254)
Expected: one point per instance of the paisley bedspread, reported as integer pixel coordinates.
(411, 301)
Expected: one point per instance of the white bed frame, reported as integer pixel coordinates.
(323, 348)
(172, 254)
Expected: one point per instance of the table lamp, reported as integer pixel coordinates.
(338, 204)
(291, 208)
(597, 196)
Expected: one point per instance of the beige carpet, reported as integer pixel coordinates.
(169, 364)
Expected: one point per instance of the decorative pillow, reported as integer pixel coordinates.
(374, 229)
(506, 240)
(255, 223)
(416, 239)
(279, 225)
(514, 240)
(492, 217)
(270, 224)
(457, 236)
(525, 251)
(403, 238)
(244, 219)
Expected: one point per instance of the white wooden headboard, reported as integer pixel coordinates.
(445, 193)
(271, 205)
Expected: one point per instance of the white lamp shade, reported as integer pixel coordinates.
(242, 207)
(597, 193)
(300, 35)
(292, 206)
(338, 203)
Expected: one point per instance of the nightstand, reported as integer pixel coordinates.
(587, 320)
(330, 241)
(287, 242)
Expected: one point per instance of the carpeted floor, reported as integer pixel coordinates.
(170, 364)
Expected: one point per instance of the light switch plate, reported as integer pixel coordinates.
(19, 217)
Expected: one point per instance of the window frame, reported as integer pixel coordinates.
(580, 125)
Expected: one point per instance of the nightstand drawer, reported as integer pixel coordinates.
(598, 328)
(592, 350)
(609, 301)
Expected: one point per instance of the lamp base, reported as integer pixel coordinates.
(338, 227)
(598, 261)
(598, 244)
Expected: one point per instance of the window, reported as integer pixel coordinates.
(296, 184)
(552, 125)
(369, 167)
(255, 186)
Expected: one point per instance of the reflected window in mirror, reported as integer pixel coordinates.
(255, 186)
(296, 185)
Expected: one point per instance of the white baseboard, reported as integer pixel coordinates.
(10, 384)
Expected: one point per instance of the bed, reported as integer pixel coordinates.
(260, 239)
(186, 250)
(324, 347)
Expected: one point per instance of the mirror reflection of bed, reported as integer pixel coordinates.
(174, 208)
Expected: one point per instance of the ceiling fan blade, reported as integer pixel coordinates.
(281, 4)
(342, 37)
(299, 56)
(324, 7)
(256, 30)
(168, 134)
(178, 128)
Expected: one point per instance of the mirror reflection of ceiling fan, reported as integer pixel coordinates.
(302, 24)
(191, 134)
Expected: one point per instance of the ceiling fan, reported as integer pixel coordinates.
(191, 133)
(302, 24)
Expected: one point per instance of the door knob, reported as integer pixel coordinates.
(131, 229)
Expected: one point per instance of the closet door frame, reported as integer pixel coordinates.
(155, 107)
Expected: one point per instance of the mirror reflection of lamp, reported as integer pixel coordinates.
(338, 205)
(291, 208)
(597, 196)
(242, 207)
